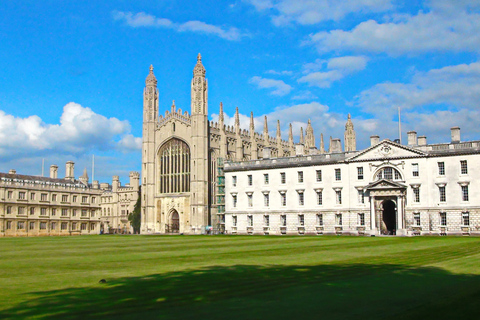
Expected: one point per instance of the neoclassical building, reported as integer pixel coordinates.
(386, 189)
(183, 153)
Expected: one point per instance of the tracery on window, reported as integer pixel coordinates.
(388, 173)
(174, 162)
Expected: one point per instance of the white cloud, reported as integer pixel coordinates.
(448, 26)
(304, 95)
(142, 19)
(280, 87)
(79, 131)
(280, 73)
(308, 12)
(338, 68)
(130, 143)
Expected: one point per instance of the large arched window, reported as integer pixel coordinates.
(174, 164)
(388, 173)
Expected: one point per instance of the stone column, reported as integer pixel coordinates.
(372, 215)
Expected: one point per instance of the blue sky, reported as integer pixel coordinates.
(72, 72)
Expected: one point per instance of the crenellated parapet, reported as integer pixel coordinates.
(176, 114)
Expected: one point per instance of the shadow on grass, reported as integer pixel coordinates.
(267, 292)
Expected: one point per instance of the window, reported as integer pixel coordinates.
(338, 219)
(92, 226)
(74, 199)
(9, 209)
(74, 226)
(443, 218)
(43, 197)
(283, 178)
(283, 199)
(64, 226)
(54, 211)
(9, 225)
(21, 210)
(174, 161)
(250, 221)
(360, 173)
(361, 196)
(319, 197)
(64, 212)
(53, 226)
(21, 225)
(300, 176)
(85, 199)
(31, 225)
(465, 193)
(319, 175)
(361, 219)
(92, 214)
(266, 220)
(416, 219)
(234, 221)
(21, 195)
(300, 198)
(441, 168)
(466, 218)
(338, 194)
(283, 220)
(416, 194)
(234, 200)
(64, 198)
(320, 219)
(32, 196)
(84, 212)
(250, 199)
(443, 196)
(43, 225)
(43, 211)
(54, 197)
(32, 211)
(234, 181)
(415, 169)
(301, 220)
(266, 199)
(74, 212)
(338, 175)
(265, 178)
(83, 226)
(250, 180)
(94, 200)
(9, 194)
(463, 167)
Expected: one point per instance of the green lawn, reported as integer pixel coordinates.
(240, 277)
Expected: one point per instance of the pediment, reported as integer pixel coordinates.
(384, 184)
(387, 150)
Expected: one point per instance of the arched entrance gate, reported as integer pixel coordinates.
(173, 225)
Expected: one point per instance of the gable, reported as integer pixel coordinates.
(387, 150)
(384, 184)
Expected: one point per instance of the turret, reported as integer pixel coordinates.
(350, 139)
(322, 144)
(291, 145)
(253, 141)
(238, 138)
(199, 89)
(84, 178)
(279, 140)
(266, 140)
(150, 98)
(134, 180)
(115, 183)
(310, 138)
(223, 136)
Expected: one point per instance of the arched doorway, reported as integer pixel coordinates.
(389, 217)
(174, 225)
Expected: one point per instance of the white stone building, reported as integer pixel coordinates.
(387, 188)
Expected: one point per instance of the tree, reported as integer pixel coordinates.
(135, 216)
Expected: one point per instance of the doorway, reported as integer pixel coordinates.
(174, 226)
(389, 217)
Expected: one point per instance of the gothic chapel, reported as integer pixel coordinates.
(181, 152)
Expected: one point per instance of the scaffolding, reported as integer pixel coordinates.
(220, 228)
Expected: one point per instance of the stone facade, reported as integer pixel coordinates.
(387, 188)
(181, 153)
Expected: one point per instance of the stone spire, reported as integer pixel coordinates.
(290, 136)
(279, 140)
(322, 144)
(252, 125)
(279, 134)
(237, 121)
(310, 138)
(265, 131)
(221, 117)
(253, 140)
(84, 178)
(350, 139)
(302, 140)
(199, 89)
(151, 80)
(330, 145)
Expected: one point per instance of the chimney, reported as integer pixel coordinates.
(267, 152)
(95, 184)
(374, 140)
(54, 171)
(336, 145)
(299, 149)
(69, 174)
(412, 138)
(422, 141)
(115, 183)
(12, 171)
(455, 134)
(104, 186)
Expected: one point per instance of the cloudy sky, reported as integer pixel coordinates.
(72, 72)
